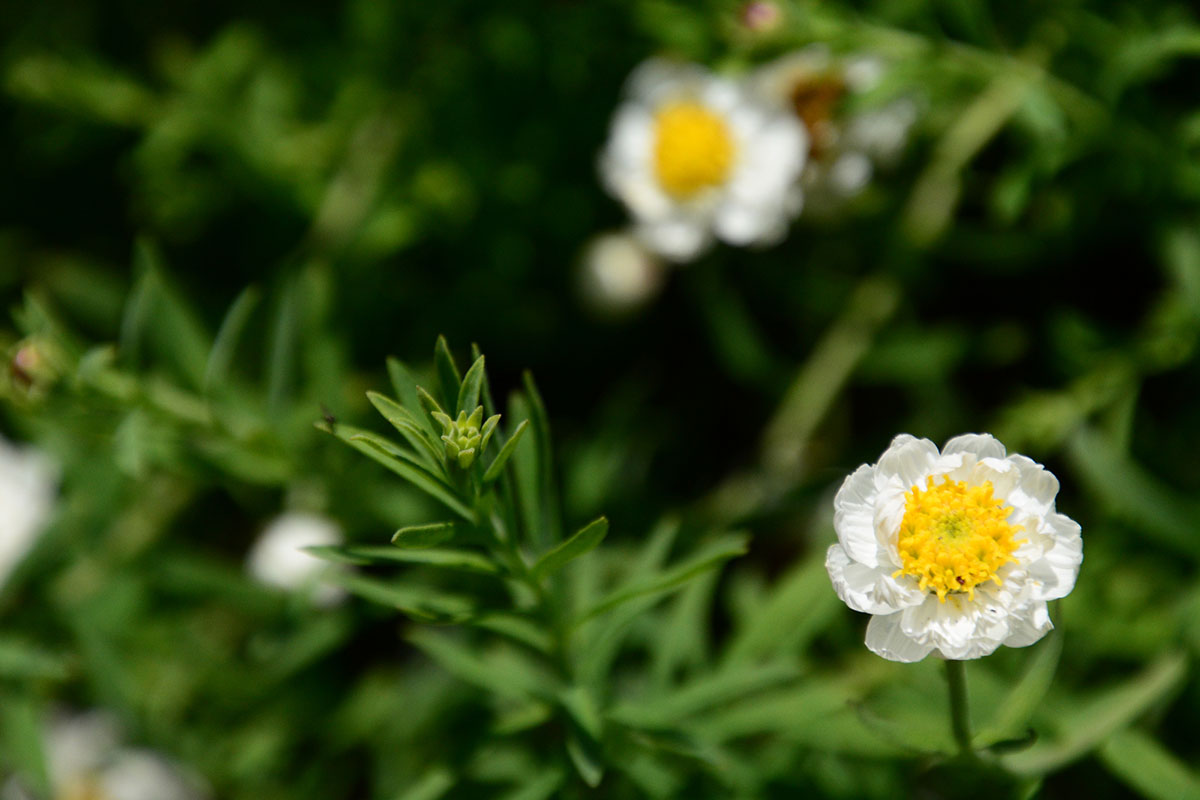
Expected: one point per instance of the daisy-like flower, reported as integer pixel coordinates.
(28, 487)
(694, 155)
(844, 146)
(87, 760)
(955, 551)
(278, 557)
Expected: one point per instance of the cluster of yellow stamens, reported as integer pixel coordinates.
(693, 149)
(954, 537)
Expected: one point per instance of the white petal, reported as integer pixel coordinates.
(1036, 487)
(958, 628)
(678, 238)
(854, 515)
(867, 589)
(982, 445)
(886, 638)
(1054, 574)
(908, 459)
(1029, 626)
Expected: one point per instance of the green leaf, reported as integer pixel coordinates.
(23, 740)
(709, 557)
(542, 785)
(586, 759)
(798, 608)
(406, 389)
(283, 345)
(583, 541)
(1148, 767)
(448, 374)
(702, 694)
(20, 659)
(411, 429)
(501, 671)
(419, 602)
(416, 537)
(497, 466)
(468, 394)
(1025, 697)
(220, 357)
(448, 558)
(549, 526)
(436, 783)
(1084, 726)
(387, 454)
(518, 628)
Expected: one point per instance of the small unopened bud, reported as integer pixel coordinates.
(34, 366)
(464, 437)
(761, 16)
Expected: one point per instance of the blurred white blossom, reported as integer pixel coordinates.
(845, 145)
(278, 557)
(86, 759)
(693, 156)
(618, 273)
(28, 488)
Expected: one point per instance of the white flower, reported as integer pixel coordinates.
(28, 487)
(693, 155)
(278, 557)
(618, 274)
(85, 758)
(956, 551)
(844, 145)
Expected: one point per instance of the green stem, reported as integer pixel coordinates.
(960, 720)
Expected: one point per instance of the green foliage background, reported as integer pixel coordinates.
(217, 218)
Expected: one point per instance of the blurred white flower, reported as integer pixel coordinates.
(955, 551)
(278, 557)
(693, 155)
(87, 760)
(28, 488)
(844, 145)
(618, 273)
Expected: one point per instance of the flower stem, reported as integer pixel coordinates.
(960, 720)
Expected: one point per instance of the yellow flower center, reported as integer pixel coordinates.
(693, 149)
(954, 537)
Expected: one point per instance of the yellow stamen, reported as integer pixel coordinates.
(954, 537)
(693, 149)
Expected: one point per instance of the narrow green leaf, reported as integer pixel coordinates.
(435, 784)
(495, 469)
(502, 671)
(21, 659)
(416, 537)
(709, 557)
(518, 628)
(1148, 767)
(448, 375)
(419, 602)
(283, 345)
(539, 787)
(485, 390)
(549, 529)
(1023, 700)
(23, 738)
(220, 357)
(468, 394)
(583, 541)
(406, 390)
(448, 558)
(1085, 726)
(702, 694)
(586, 758)
(798, 608)
(386, 453)
(410, 428)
